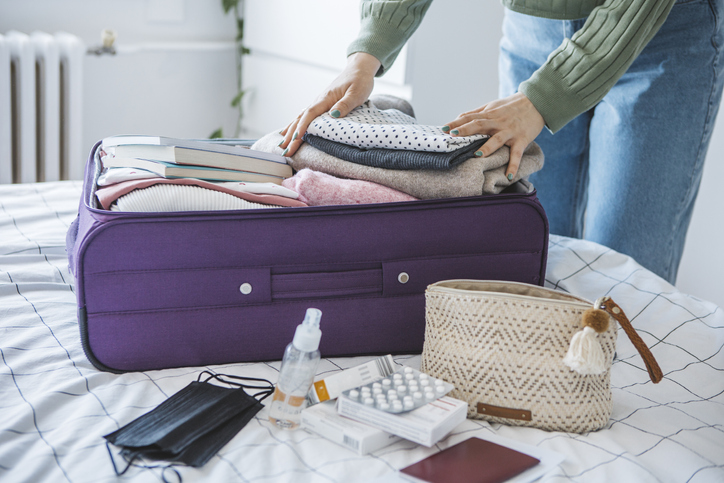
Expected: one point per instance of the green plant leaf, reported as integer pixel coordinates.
(229, 4)
(237, 99)
(219, 133)
(245, 51)
(239, 28)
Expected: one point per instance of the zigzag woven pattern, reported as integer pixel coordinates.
(507, 352)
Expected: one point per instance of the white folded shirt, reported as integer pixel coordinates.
(369, 127)
(172, 197)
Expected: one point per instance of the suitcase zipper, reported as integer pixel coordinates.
(577, 301)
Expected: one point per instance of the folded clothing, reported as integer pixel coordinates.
(318, 189)
(174, 197)
(108, 194)
(393, 158)
(111, 176)
(369, 127)
(473, 177)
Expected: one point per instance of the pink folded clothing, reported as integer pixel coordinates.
(108, 194)
(316, 189)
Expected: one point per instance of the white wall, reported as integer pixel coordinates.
(174, 73)
(293, 60)
(175, 76)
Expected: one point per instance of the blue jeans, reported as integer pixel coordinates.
(626, 173)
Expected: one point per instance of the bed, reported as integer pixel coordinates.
(55, 406)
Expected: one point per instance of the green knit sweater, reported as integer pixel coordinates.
(575, 77)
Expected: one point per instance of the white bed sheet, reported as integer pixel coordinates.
(55, 406)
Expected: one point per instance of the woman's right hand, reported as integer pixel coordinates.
(349, 90)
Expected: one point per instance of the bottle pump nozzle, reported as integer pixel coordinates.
(308, 335)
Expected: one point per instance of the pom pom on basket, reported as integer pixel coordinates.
(585, 355)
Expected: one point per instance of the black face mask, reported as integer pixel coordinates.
(192, 425)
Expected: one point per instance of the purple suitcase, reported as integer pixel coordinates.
(161, 290)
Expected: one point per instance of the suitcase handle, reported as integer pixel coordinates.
(326, 284)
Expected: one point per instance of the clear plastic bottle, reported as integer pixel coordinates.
(299, 366)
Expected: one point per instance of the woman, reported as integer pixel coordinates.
(628, 91)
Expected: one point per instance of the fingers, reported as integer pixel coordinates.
(469, 126)
(295, 130)
(516, 155)
(350, 89)
(341, 108)
(495, 142)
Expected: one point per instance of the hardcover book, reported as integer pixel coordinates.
(170, 170)
(222, 155)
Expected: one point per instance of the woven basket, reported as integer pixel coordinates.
(502, 345)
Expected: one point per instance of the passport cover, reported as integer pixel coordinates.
(472, 461)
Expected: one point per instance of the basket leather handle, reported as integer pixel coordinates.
(607, 304)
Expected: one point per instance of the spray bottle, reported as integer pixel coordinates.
(299, 366)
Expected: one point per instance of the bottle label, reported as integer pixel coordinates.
(286, 408)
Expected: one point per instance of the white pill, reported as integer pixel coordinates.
(407, 398)
(386, 382)
(440, 389)
(377, 390)
(409, 376)
(408, 370)
(376, 385)
(369, 401)
(417, 395)
(424, 382)
(439, 382)
(429, 395)
(396, 405)
(354, 394)
(402, 389)
(423, 376)
(384, 406)
(409, 404)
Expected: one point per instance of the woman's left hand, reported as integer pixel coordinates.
(513, 121)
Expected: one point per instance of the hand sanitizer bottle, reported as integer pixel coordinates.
(299, 366)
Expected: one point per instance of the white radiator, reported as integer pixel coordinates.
(41, 94)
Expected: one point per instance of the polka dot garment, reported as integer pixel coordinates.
(369, 127)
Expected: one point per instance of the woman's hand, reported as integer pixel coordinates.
(350, 89)
(513, 121)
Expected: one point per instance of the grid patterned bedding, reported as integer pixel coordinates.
(55, 406)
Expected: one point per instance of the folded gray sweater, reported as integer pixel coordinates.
(473, 177)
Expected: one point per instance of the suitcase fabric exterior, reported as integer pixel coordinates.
(161, 290)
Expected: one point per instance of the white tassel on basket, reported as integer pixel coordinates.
(585, 354)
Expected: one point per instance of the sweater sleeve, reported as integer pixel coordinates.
(385, 27)
(585, 67)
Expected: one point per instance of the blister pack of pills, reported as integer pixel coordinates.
(402, 391)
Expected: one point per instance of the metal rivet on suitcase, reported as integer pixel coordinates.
(245, 288)
(403, 277)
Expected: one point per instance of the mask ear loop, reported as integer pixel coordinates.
(133, 457)
(267, 390)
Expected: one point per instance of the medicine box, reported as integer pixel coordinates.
(333, 385)
(425, 425)
(323, 420)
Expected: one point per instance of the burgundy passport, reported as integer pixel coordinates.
(472, 461)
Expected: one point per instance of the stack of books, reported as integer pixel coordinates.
(188, 158)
